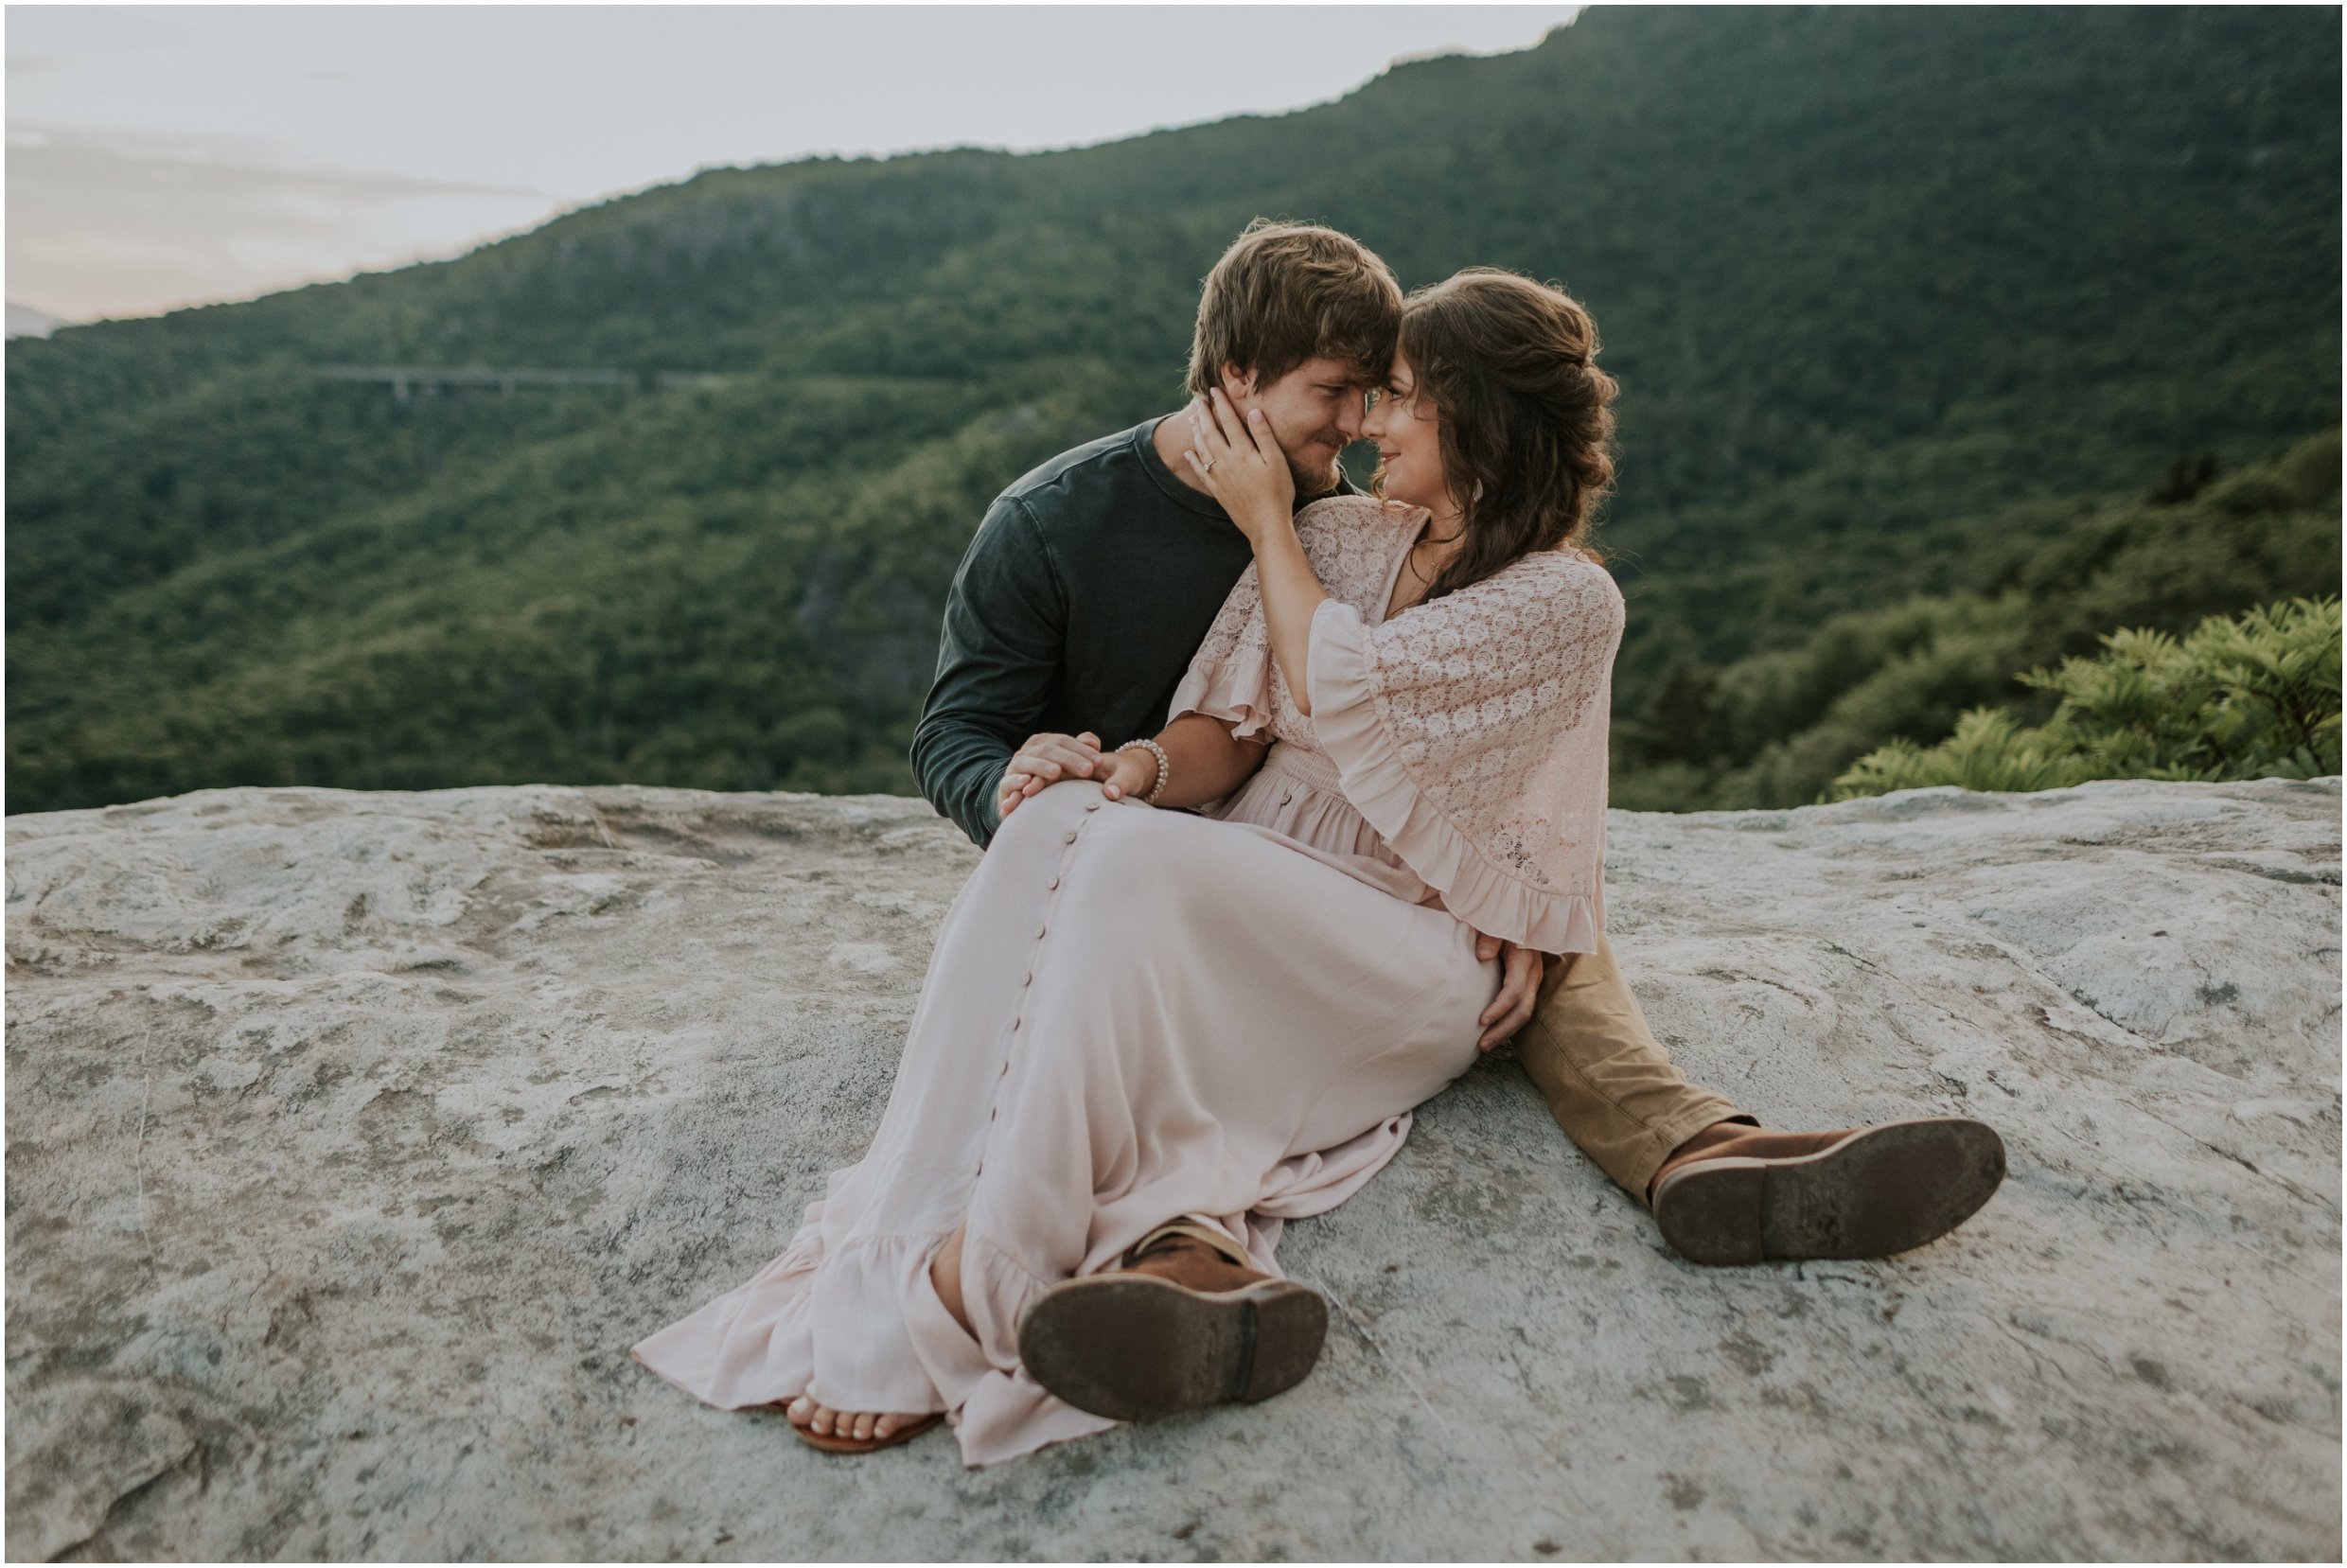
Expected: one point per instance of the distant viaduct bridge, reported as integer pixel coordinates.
(404, 380)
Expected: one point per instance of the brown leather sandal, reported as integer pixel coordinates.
(1878, 1190)
(1188, 1321)
(904, 1433)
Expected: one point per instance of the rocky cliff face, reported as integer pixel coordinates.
(353, 1138)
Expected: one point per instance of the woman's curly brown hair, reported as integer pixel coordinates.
(1524, 414)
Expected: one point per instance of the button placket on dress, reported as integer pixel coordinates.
(1027, 980)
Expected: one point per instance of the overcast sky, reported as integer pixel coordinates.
(169, 155)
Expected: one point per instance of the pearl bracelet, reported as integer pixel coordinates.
(1165, 766)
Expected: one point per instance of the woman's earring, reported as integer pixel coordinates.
(1476, 494)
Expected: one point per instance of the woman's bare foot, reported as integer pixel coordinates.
(861, 1425)
(872, 1426)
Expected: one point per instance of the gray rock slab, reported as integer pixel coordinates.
(353, 1138)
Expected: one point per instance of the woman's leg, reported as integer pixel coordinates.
(1132, 1016)
(848, 1320)
(1025, 870)
(1207, 1002)
(945, 1279)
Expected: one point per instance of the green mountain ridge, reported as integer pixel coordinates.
(2044, 581)
(1868, 279)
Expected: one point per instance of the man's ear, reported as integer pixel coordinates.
(1236, 383)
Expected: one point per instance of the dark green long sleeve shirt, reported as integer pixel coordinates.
(1078, 605)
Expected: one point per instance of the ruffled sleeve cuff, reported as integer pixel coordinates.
(1347, 721)
(1235, 689)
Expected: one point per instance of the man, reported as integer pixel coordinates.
(1089, 587)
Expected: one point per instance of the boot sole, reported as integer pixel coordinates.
(1134, 1347)
(1881, 1191)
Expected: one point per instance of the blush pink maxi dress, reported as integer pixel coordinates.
(1131, 1015)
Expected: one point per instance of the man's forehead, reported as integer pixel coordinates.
(1322, 369)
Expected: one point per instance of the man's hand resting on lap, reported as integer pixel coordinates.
(1044, 760)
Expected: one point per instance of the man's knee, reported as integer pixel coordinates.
(1582, 999)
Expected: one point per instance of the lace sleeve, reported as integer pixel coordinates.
(1350, 541)
(1230, 676)
(1462, 678)
(1470, 732)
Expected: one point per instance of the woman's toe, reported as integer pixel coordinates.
(861, 1426)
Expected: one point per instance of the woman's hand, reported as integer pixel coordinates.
(1240, 466)
(1133, 773)
(1521, 971)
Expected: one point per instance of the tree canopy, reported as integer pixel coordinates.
(1951, 340)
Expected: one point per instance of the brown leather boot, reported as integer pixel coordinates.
(1748, 1195)
(1188, 1321)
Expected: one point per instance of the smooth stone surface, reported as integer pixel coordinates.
(353, 1138)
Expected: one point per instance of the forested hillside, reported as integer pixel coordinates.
(1948, 338)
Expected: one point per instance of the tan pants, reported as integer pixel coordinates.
(1608, 1081)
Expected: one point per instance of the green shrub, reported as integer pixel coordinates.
(2251, 698)
(2042, 582)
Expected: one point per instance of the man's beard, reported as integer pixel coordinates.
(1328, 478)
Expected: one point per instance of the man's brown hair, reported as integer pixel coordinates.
(1287, 292)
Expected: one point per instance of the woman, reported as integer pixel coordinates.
(1144, 1031)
